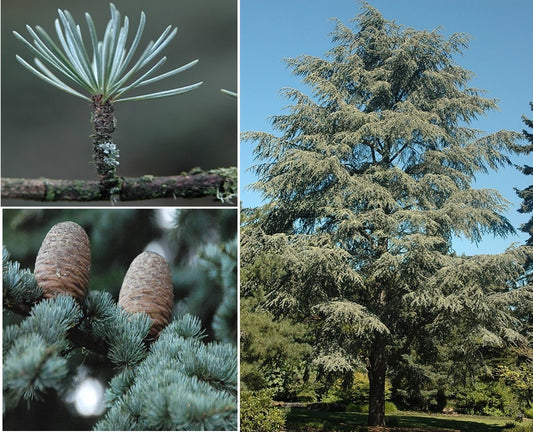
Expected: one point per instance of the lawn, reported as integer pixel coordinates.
(304, 420)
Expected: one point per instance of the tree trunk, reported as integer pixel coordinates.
(376, 375)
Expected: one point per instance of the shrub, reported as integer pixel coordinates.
(305, 394)
(258, 414)
(390, 408)
(358, 408)
(526, 427)
(489, 398)
(353, 389)
(351, 407)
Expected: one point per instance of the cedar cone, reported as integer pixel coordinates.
(63, 262)
(147, 287)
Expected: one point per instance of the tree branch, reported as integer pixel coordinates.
(22, 308)
(219, 183)
(78, 335)
(81, 338)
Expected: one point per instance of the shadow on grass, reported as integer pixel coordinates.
(303, 420)
(459, 424)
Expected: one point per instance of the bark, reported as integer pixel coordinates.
(104, 150)
(377, 368)
(219, 183)
(23, 308)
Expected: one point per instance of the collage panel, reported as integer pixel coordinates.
(386, 236)
(128, 103)
(120, 319)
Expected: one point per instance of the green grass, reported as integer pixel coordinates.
(303, 420)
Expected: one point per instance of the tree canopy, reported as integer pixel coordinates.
(367, 182)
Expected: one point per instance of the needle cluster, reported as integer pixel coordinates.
(110, 71)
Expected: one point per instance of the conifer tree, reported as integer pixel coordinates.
(527, 193)
(272, 352)
(367, 182)
(165, 368)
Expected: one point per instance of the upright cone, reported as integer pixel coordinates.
(147, 287)
(63, 262)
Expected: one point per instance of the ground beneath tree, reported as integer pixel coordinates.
(370, 429)
(300, 419)
(403, 429)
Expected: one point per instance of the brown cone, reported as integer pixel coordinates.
(63, 263)
(147, 287)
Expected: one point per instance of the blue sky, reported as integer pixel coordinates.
(500, 55)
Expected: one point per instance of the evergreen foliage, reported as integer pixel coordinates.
(19, 286)
(527, 194)
(206, 249)
(273, 353)
(367, 183)
(492, 398)
(109, 73)
(220, 265)
(258, 414)
(194, 385)
(185, 380)
(36, 351)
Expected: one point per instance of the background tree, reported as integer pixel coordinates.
(273, 353)
(63, 343)
(527, 193)
(367, 183)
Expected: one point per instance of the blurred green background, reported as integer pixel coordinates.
(46, 132)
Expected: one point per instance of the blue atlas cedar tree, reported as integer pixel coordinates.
(366, 184)
(102, 78)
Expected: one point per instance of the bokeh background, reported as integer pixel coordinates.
(46, 132)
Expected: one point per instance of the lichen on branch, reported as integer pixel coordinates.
(220, 183)
(105, 151)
